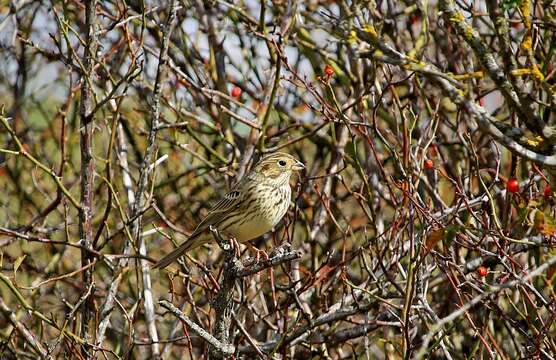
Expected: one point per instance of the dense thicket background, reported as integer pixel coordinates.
(122, 121)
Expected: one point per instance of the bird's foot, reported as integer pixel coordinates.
(258, 252)
(228, 244)
(234, 246)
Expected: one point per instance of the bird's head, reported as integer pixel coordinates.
(278, 167)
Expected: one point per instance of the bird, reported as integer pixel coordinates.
(253, 207)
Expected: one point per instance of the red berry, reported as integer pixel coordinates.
(414, 19)
(512, 186)
(482, 271)
(328, 70)
(429, 164)
(236, 92)
(547, 191)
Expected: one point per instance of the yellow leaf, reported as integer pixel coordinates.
(18, 262)
(535, 141)
(352, 37)
(538, 219)
(542, 224)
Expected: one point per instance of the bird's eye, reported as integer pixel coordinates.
(282, 163)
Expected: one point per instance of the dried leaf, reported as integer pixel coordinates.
(434, 237)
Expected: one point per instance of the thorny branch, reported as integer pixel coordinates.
(86, 209)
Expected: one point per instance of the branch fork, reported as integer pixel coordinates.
(220, 341)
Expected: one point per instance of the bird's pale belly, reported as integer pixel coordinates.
(251, 229)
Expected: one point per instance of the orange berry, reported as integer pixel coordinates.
(429, 164)
(482, 271)
(236, 92)
(328, 70)
(512, 186)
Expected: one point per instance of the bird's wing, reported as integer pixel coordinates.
(218, 212)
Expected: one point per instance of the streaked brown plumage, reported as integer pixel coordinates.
(252, 208)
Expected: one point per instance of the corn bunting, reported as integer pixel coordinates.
(254, 206)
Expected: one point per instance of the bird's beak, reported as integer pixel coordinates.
(298, 166)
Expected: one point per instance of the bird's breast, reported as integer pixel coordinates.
(264, 212)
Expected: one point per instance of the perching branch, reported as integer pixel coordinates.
(221, 341)
(278, 256)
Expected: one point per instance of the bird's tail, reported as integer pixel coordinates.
(189, 244)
